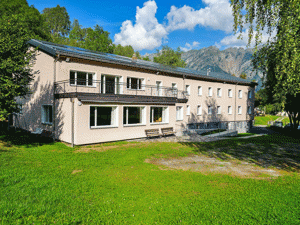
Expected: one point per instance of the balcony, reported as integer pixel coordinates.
(114, 91)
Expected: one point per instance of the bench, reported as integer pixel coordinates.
(167, 131)
(152, 133)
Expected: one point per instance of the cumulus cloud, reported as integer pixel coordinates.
(189, 46)
(234, 41)
(146, 33)
(217, 15)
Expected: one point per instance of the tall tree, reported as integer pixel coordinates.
(58, 21)
(77, 34)
(279, 59)
(98, 40)
(168, 56)
(19, 23)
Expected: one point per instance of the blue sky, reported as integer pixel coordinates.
(147, 25)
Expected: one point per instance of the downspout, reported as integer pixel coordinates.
(54, 103)
(235, 105)
(72, 123)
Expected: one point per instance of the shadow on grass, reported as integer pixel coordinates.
(22, 138)
(275, 150)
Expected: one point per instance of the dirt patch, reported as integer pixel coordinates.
(207, 165)
(101, 148)
(76, 171)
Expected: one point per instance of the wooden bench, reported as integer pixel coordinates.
(152, 133)
(167, 131)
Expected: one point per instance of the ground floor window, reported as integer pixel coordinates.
(159, 115)
(133, 115)
(101, 116)
(47, 114)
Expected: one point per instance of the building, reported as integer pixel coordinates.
(86, 97)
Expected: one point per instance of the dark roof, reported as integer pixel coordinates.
(55, 49)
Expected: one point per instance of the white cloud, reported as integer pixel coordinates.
(189, 46)
(217, 15)
(146, 33)
(233, 41)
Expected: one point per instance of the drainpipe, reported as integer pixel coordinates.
(235, 105)
(54, 103)
(72, 123)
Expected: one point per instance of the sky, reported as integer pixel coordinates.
(148, 25)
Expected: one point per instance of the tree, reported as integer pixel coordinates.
(77, 34)
(168, 56)
(279, 59)
(58, 21)
(98, 40)
(19, 23)
(243, 76)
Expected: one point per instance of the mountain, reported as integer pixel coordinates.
(233, 61)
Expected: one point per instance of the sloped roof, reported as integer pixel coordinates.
(55, 49)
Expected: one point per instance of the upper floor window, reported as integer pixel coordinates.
(229, 110)
(135, 83)
(239, 109)
(209, 110)
(240, 94)
(210, 91)
(219, 92)
(174, 89)
(219, 109)
(188, 110)
(229, 93)
(249, 94)
(199, 90)
(82, 78)
(199, 110)
(188, 89)
(249, 110)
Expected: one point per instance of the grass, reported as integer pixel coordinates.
(50, 183)
(263, 120)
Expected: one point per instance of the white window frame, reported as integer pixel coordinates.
(87, 83)
(118, 88)
(188, 110)
(219, 110)
(188, 89)
(140, 81)
(159, 88)
(239, 110)
(240, 94)
(44, 115)
(209, 110)
(229, 110)
(179, 113)
(165, 114)
(219, 92)
(210, 92)
(115, 116)
(200, 90)
(230, 93)
(174, 89)
(143, 116)
(199, 110)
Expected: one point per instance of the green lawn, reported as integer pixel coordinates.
(263, 120)
(112, 184)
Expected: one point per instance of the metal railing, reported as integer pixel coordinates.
(108, 87)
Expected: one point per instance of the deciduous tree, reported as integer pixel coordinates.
(168, 56)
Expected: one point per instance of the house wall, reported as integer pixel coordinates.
(41, 94)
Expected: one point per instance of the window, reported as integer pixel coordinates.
(47, 114)
(240, 93)
(249, 94)
(159, 115)
(20, 109)
(239, 109)
(219, 109)
(188, 110)
(135, 83)
(199, 110)
(82, 78)
(111, 84)
(229, 93)
(103, 116)
(249, 110)
(209, 111)
(179, 113)
(199, 90)
(133, 115)
(174, 89)
(210, 91)
(158, 88)
(219, 92)
(229, 110)
(188, 89)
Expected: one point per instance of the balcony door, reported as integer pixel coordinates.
(110, 84)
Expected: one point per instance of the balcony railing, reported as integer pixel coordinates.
(108, 87)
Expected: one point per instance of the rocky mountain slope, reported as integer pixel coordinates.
(233, 61)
